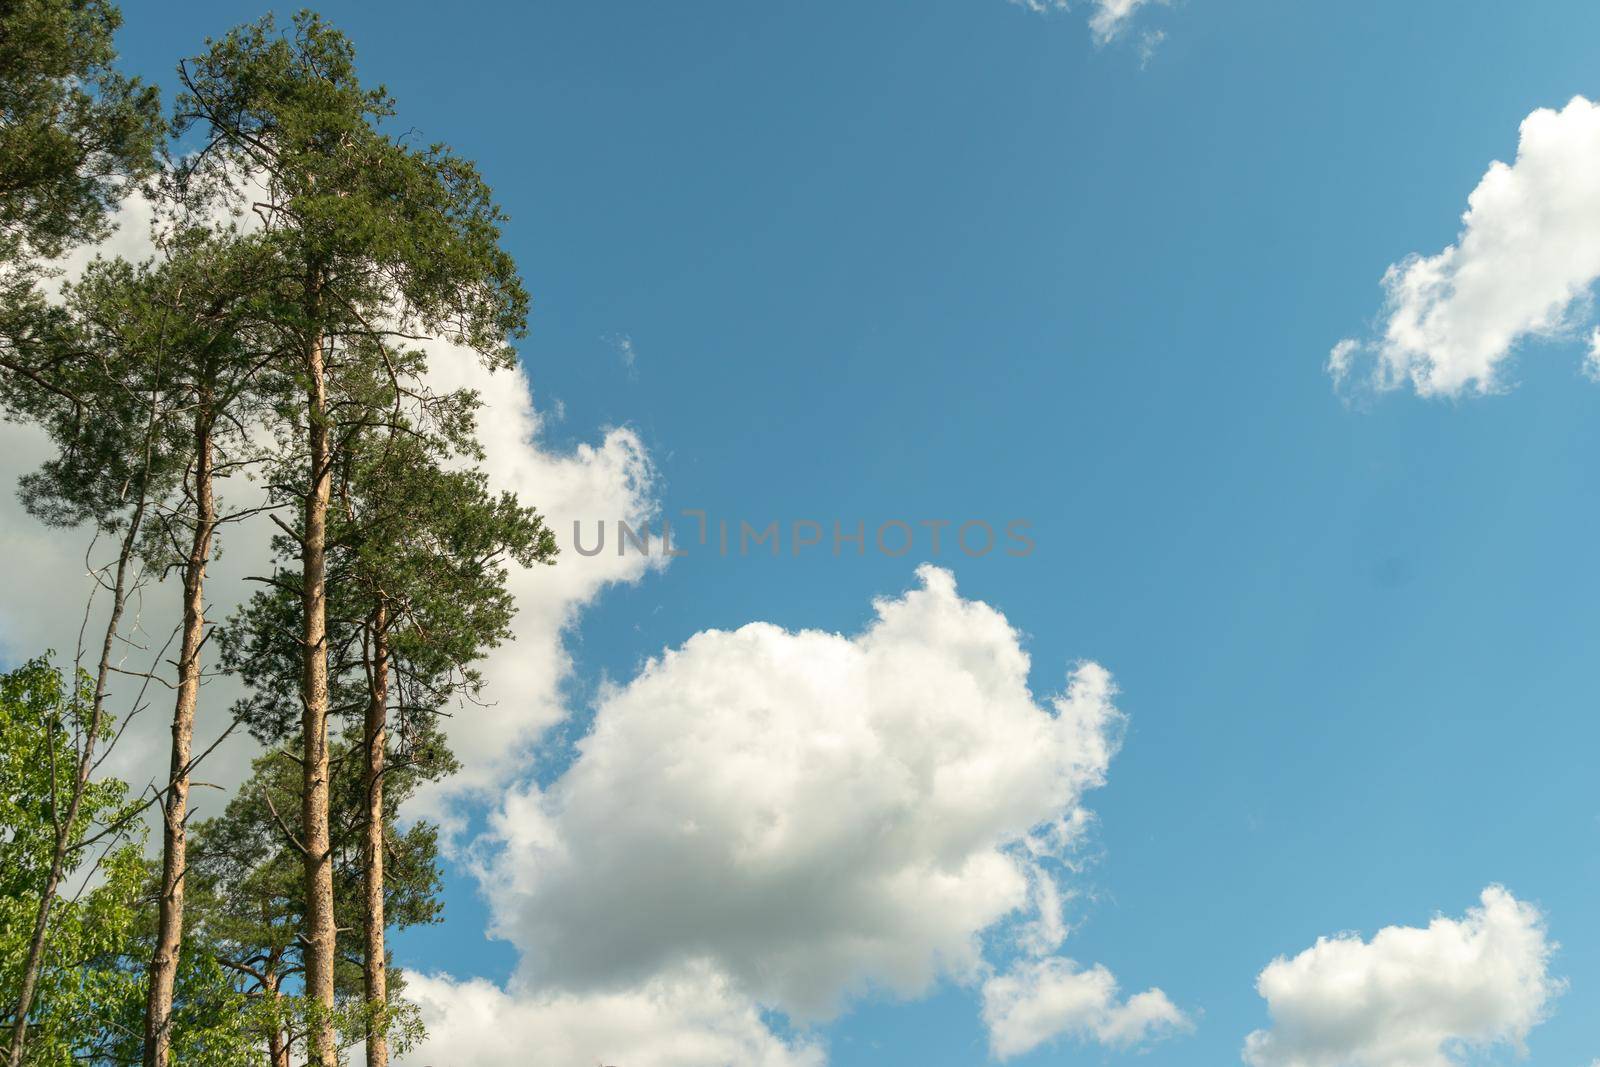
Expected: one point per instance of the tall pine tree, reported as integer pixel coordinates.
(417, 566)
(378, 241)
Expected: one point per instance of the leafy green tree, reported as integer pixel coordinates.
(111, 463)
(378, 241)
(214, 1023)
(43, 719)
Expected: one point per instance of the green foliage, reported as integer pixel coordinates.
(91, 932)
(432, 543)
(133, 358)
(383, 235)
(370, 247)
(73, 131)
(428, 543)
(245, 903)
(74, 136)
(214, 1024)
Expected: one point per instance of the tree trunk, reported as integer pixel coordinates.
(320, 932)
(174, 831)
(376, 973)
(65, 824)
(277, 1040)
(277, 1047)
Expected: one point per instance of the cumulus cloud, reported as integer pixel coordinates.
(1043, 999)
(1410, 997)
(817, 814)
(768, 820)
(1107, 18)
(688, 1019)
(1523, 267)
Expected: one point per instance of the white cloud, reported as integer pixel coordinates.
(1522, 267)
(773, 820)
(1149, 41)
(1107, 19)
(1110, 16)
(1410, 997)
(1591, 359)
(1043, 999)
(1341, 358)
(689, 1019)
(817, 814)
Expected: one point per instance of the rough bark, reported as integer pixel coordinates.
(375, 737)
(175, 812)
(320, 933)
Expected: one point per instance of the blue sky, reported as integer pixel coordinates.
(953, 259)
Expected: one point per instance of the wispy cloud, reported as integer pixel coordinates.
(628, 353)
(1108, 19)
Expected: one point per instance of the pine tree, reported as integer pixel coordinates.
(203, 304)
(75, 136)
(418, 555)
(425, 583)
(181, 335)
(377, 242)
(74, 133)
